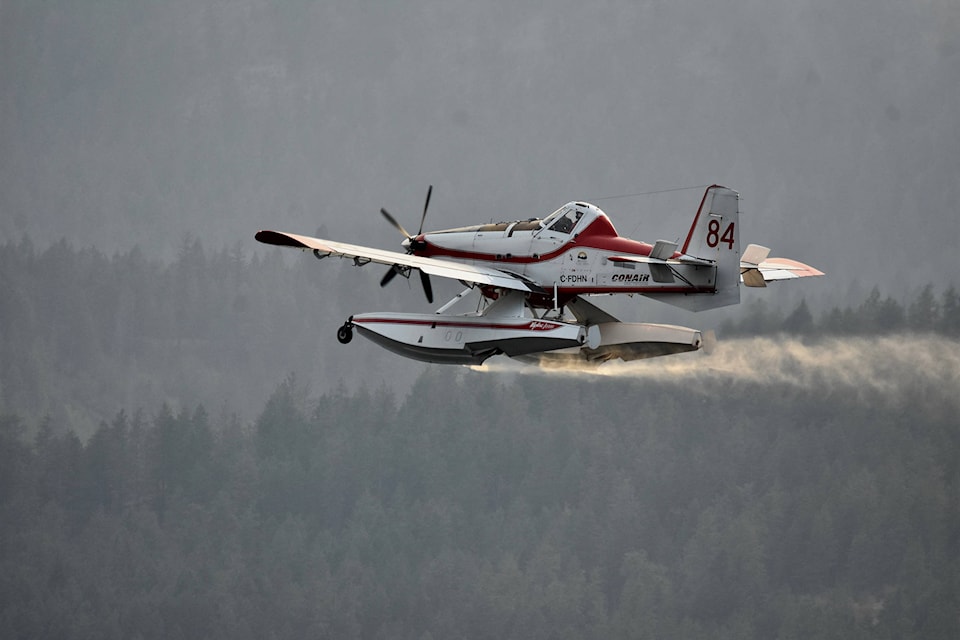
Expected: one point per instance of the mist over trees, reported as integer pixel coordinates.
(472, 504)
(134, 122)
(490, 506)
(928, 312)
(85, 334)
(185, 451)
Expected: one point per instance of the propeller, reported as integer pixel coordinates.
(388, 276)
(412, 245)
(393, 221)
(427, 287)
(425, 205)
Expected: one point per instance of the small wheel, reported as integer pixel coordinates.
(345, 333)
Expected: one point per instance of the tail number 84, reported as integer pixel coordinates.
(714, 237)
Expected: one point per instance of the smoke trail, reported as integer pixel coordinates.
(898, 367)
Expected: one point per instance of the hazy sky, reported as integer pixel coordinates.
(129, 122)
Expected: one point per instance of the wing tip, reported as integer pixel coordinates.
(279, 239)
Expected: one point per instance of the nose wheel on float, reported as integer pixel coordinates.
(345, 332)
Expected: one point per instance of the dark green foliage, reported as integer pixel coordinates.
(949, 321)
(475, 506)
(480, 506)
(875, 315)
(84, 333)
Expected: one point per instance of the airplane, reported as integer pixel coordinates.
(534, 276)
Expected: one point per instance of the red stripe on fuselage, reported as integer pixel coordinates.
(643, 290)
(565, 295)
(531, 325)
(696, 218)
(599, 235)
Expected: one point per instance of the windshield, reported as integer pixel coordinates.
(563, 220)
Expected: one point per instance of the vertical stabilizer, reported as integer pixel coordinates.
(715, 227)
(714, 236)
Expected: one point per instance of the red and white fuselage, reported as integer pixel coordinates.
(574, 251)
(550, 264)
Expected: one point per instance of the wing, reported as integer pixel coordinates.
(433, 266)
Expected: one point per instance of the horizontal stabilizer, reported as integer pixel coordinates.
(690, 260)
(771, 269)
(752, 278)
(663, 250)
(753, 255)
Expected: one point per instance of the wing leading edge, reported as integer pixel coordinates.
(362, 255)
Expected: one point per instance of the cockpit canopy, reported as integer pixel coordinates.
(571, 217)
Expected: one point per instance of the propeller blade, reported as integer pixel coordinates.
(425, 205)
(394, 222)
(388, 276)
(427, 287)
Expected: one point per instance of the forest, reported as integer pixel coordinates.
(471, 504)
(85, 333)
(187, 452)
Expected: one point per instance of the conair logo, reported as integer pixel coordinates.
(631, 277)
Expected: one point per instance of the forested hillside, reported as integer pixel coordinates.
(495, 506)
(187, 452)
(86, 334)
(803, 481)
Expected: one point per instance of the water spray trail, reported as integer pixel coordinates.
(890, 366)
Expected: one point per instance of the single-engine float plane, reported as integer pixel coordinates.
(533, 277)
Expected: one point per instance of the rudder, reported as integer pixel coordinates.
(715, 236)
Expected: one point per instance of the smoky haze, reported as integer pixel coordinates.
(127, 123)
(897, 370)
(186, 451)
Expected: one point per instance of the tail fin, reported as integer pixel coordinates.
(715, 226)
(715, 236)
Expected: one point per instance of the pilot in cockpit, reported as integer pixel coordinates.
(566, 222)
